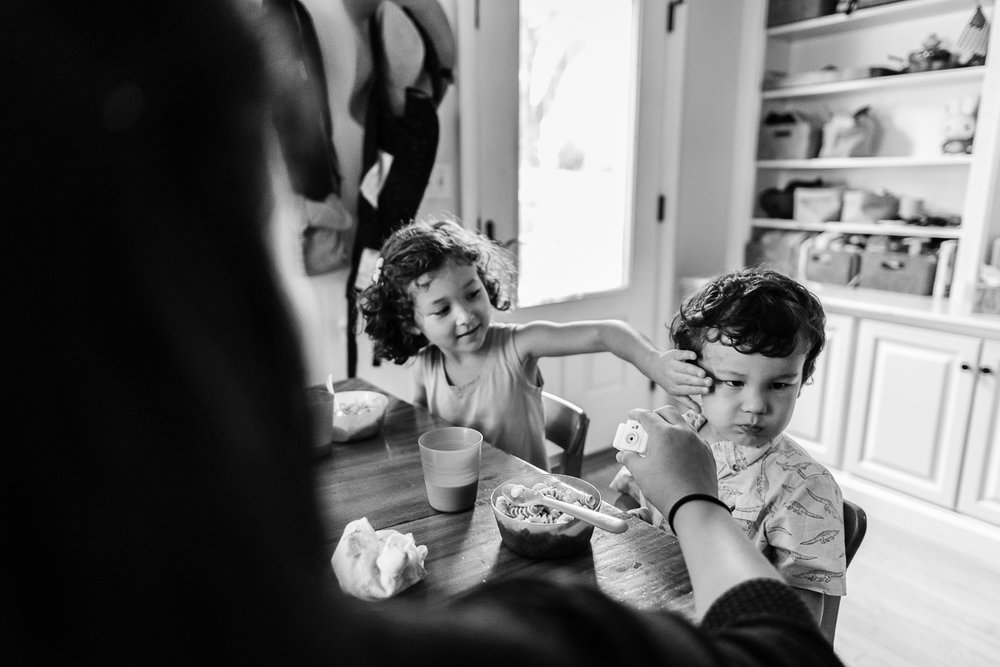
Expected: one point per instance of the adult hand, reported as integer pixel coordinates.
(677, 461)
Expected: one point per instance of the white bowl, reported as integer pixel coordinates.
(358, 414)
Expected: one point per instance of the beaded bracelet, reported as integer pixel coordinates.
(689, 497)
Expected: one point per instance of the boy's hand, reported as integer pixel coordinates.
(684, 378)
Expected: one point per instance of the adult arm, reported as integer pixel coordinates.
(750, 616)
(718, 555)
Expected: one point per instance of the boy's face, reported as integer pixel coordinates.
(752, 396)
(452, 308)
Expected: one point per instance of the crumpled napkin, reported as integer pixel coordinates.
(377, 564)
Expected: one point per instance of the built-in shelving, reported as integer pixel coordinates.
(915, 79)
(868, 17)
(882, 227)
(912, 112)
(868, 162)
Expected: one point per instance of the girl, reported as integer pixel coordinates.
(434, 291)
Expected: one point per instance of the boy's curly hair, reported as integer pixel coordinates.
(412, 251)
(754, 310)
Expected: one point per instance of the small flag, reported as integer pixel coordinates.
(976, 35)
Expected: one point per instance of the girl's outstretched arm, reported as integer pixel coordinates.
(550, 339)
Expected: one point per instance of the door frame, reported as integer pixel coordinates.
(661, 68)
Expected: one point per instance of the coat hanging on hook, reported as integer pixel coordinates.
(414, 56)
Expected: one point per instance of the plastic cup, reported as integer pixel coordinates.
(320, 403)
(450, 459)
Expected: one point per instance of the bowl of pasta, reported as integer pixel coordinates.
(537, 531)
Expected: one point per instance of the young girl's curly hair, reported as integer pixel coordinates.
(412, 251)
(754, 311)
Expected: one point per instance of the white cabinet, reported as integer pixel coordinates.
(818, 422)
(909, 416)
(979, 493)
(910, 108)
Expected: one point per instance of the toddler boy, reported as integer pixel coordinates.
(755, 335)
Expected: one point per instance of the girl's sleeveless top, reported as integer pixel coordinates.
(504, 402)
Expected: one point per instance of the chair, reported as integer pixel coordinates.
(855, 527)
(566, 426)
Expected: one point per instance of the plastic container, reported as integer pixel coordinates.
(358, 415)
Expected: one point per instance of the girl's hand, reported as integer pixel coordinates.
(684, 378)
(677, 461)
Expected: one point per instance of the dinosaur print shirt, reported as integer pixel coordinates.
(786, 502)
(790, 506)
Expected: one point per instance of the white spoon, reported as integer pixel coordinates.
(522, 495)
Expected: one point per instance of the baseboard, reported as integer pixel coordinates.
(968, 536)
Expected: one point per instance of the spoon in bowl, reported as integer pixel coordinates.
(518, 494)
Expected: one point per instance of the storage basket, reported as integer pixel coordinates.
(780, 12)
(778, 250)
(868, 206)
(789, 136)
(898, 272)
(836, 267)
(818, 204)
(987, 300)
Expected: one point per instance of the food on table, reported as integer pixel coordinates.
(541, 513)
(376, 564)
(537, 531)
(354, 408)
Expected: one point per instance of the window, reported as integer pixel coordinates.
(577, 82)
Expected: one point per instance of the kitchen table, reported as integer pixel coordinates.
(380, 478)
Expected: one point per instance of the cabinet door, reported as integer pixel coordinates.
(818, 422)
(979, 494)
(910, 409)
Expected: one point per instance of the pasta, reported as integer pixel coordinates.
(541, 513)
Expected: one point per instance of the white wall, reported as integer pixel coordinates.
(707, 135)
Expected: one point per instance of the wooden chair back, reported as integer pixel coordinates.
(855, 527)
(566, 426)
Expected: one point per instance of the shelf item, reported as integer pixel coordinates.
(783, 12)
(789, 136)
(898, 272)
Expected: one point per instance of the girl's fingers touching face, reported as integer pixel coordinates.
(685, 355)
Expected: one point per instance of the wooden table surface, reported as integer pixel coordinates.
(381, 479)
